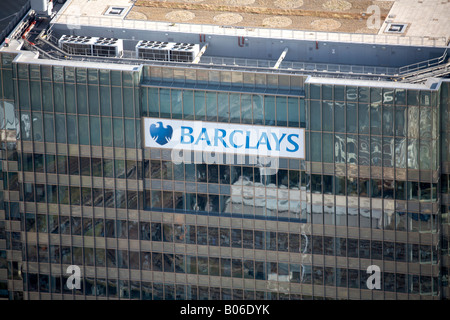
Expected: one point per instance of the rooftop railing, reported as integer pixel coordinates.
(333, 70)
(301, 66)
(412, 68)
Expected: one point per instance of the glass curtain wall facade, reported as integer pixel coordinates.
(385, 168)
(444, 187)
(80, 189)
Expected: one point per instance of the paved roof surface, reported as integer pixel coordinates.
(426, 22)
(317, 15)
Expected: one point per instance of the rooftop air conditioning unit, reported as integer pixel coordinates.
(184, 52)
(153, 50)
(107, 47)
(77, 45)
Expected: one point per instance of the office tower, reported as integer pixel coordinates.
(307, 156)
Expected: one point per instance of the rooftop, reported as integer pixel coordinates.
(425, 21)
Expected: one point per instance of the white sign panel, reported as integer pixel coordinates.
(224, 138)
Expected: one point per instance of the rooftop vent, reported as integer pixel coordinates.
(396, 28)
(153, 50)
(87, 45)
(107, 47)
(184, 52)
(167, 51)
(77, 45)
(115, 11)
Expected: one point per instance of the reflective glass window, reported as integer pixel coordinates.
(200, 105)
(224, 237)
(269, 110)
(258, 106)
(327, 116)
(351, 119)
(281, 111)
(164, 98)
(49, 128)
(188, 105)
(38, 131)
(223, 107)
(363, 118)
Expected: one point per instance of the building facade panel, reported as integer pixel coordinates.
(79, 188)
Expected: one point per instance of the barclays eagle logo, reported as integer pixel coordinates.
(160, 134)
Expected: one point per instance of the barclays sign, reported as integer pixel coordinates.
(224, 138)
